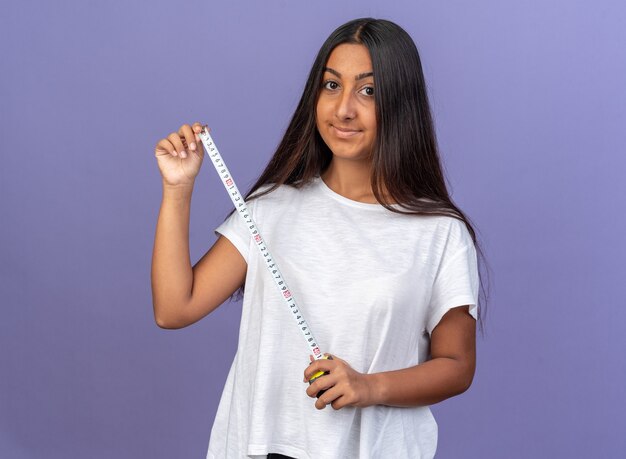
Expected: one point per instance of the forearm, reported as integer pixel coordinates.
(426, 384)
(450, 372)
(172, 274)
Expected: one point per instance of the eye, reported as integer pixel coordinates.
(330, 84)
(367, 91)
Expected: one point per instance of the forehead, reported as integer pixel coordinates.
(350, 59)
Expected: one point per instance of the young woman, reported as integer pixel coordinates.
(354, 209)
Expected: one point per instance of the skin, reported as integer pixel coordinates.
(182, 294)
(346, 121)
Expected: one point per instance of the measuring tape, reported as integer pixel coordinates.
(242, 208)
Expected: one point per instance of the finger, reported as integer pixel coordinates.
(319, 366)
(197, 129)
(165, 147)
(314, 390)
(321, 384)
(178, 144)
(328, 397)
(340, 402)
(186, 133)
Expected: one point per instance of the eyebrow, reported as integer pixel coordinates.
(360, 76)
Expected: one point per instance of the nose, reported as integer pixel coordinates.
(346, 108)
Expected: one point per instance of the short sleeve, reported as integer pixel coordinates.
(456, 282)
(234, 228)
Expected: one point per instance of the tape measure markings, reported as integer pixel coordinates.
(242, 209)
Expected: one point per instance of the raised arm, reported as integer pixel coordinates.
(182, 294)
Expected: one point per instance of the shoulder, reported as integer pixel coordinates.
(279, 195)
(453, 233)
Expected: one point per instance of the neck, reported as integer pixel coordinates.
(350, 179)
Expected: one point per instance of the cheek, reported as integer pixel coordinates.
(321, 111)
(318, 116)
(320, 125)
(372, 123)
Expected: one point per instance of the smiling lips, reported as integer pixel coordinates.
(344, 133)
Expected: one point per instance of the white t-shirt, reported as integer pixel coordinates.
(372, 285)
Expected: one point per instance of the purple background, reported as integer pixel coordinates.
(530, 109)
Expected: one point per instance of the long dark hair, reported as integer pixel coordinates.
(405, 157)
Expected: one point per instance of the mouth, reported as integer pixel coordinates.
(344, 133)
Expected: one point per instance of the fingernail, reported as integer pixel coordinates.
(174, 153)
(192, 145)
(183, 154)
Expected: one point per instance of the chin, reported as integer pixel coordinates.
(345, 149)
(349, 155)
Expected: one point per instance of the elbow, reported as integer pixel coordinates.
(165, 325)
(465, 380)
(464, 386)
(166, 322)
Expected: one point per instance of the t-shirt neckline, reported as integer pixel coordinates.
(342, 199)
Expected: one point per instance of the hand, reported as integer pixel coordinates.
(179, 156)
(343, 386)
